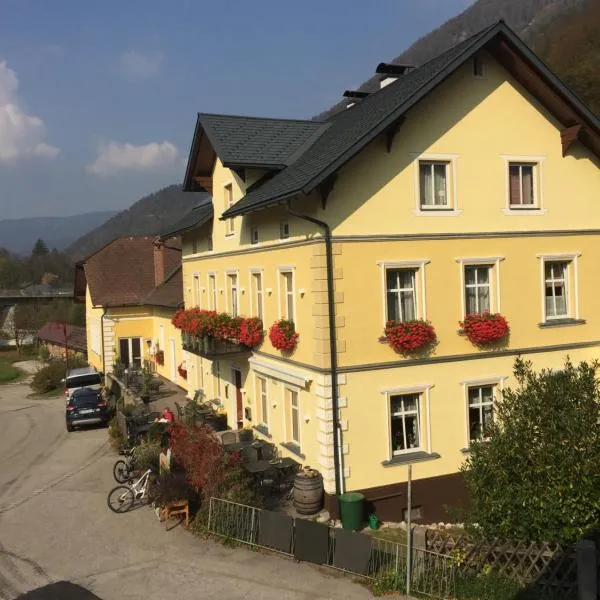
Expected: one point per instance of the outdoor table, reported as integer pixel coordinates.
(260, 466)
(236, 446)
(140, 429)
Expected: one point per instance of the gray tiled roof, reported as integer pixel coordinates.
(255, 141)
(198, 216)
(352, 129)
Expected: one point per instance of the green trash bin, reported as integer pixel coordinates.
(352, 509)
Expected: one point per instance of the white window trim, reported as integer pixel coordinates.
(538, 188)
(417, 265)
(281, 269)
(573, 296)
(453, 210)
(196, 289)
(423, 390)
(495, 288)
(210, 274)
(263, 422)
(261, 272)
(288, 424)
(228, 273)
(497, 380)
(229, 221)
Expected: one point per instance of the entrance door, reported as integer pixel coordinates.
(239, 404)
(130, 351)
(173, 360)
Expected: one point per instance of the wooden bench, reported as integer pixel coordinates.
(172, 509)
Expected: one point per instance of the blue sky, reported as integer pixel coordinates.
(98, 99)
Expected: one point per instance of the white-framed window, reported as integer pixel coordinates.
(408, 419)
(212, 291)
(480, 400)
(96, 336)
(480, 396)
(480, 284)
(435, 184)
(401, 294)
(254, 235)
(228, 203)
(524, 191)
(405, 423)
(233, 296)
(286, 294)
(403, 285)
(262, 395)
(256, 284)
(197, 290)
(560, 286)
(293, 415)
(284, 230)
(478, 289)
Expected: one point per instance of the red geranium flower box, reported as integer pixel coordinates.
(182, 371)
(408, 337)
(160, 358)
(283, 335)
(485, 328)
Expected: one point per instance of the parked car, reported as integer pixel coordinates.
(80, 378)
(87, 406)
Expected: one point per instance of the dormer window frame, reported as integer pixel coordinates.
(228, 203)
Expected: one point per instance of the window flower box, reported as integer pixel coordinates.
(409, 337)
(484, 329)
(182, 370)
(283, 335)
(159, 357)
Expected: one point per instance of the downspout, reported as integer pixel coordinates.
(103, 348)
(332, 344)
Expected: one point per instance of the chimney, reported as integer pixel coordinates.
(159, 262)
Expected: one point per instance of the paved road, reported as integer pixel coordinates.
(54, 525)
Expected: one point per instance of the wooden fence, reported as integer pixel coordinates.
(550, 568)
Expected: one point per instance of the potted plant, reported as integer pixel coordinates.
(283, 335)
(146, 387)
(409, 337)
(159, 357)
(484, 329)
(181, 369)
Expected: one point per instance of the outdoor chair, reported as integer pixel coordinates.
(249, 454)
(228, 437)
(268, 452)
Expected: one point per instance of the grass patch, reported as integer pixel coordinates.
(8, 373)
(392, 534)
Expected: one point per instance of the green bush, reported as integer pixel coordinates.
(49, 378)
(115, 436)
(43, 353)
(536, 478)
(147, 456)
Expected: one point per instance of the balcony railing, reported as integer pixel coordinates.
(209, 347)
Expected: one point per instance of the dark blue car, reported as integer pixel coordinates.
(87, 406)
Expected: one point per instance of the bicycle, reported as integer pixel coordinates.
(121, 498)
(124, 469)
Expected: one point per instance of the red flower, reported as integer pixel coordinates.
(283, 335)
(159, 357)
(485, 328)
(251, 332)
(408, 337)
(182, 371)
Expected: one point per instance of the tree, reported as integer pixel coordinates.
(40, 248)
(538, 476)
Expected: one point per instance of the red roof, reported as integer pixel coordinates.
(122, 273)
(54, 333)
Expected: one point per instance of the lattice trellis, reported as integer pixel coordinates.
(550, 568)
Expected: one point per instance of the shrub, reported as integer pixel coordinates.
(147, 456)
(44, 353)
(49, 378)
(408, 337)
(115, 436)
(491, 586)
(536, 477)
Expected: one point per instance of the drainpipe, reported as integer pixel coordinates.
(332, 345)
(102, 339)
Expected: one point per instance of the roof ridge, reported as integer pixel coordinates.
(257, 118)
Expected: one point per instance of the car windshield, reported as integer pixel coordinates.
(84, 380)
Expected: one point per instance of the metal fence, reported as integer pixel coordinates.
(432, 573)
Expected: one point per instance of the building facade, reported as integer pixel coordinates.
(467, 186)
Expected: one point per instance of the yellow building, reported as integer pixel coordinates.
(465, 186)
(131, 289)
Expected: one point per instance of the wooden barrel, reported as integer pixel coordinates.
(308, 492)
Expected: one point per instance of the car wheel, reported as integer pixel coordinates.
(70, 427)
